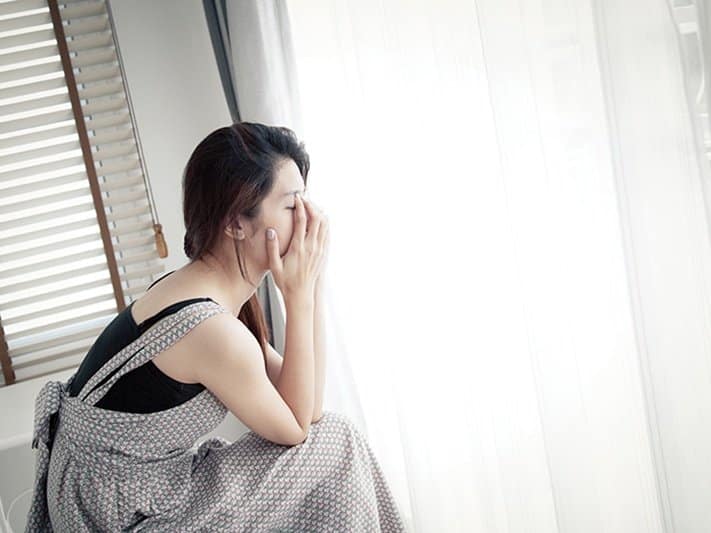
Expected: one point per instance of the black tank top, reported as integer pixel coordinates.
(144, 389)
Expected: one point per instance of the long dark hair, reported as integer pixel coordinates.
(229, 173)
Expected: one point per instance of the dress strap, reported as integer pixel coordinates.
(159, 337)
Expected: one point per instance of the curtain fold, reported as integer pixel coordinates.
(215, 14)
(253, 47)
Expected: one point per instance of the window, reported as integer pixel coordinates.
(79, 237)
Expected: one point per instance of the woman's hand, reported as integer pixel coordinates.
(297, 272)
(314, 211)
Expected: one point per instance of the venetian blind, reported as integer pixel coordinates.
(79, 238)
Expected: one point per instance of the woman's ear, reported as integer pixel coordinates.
(234, 230)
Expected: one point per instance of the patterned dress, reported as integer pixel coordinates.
(105, 470)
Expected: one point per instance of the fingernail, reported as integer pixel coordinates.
(271, 234)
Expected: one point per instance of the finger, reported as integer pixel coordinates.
(324, 246)
(299, 223)
(314, 224)
(273, 250)
(323, 236)
(310, 212)
(323, 229)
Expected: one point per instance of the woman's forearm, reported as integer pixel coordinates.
(296, 379)
(319, 350)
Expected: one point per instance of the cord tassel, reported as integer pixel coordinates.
(160, 241)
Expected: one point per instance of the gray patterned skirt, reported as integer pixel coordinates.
(104, 470)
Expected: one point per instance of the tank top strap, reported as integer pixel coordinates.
(159, 337)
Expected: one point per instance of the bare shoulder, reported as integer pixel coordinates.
(227, 337)
(221, 334)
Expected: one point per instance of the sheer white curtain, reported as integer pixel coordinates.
(520, 256)
(262, 61)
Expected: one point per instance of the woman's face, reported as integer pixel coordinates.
(277, 211)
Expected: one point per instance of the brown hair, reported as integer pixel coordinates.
(230, 172)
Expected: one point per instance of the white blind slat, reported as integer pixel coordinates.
(116, 185)
(36, 101)
(93, 57)
(115, 169)
(8, 176)
(48, 312)
(61, 279)
(85, 206)
(112, 150)
(86, 25)
(132, 259)
(117, 198)
(129, 213)
(62, 361)
(23, 22)
(139, 278)
(12, 240)
(28, 39)
(54, 262)
(115, 135)
(25, 155)
(92, 40)
(47, 134)
(128, 228)
(103, 106)
(96, 90)
(85, 9)
(26, 90)
(45, 51)
(48, 117)
(59, 243)
(32, 351)
(101, 72)
(39, 185)
(142, 241)
(66, 290)
(11, 8)
(21, 73)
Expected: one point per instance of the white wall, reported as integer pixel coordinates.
(176, 93)
(177, 98)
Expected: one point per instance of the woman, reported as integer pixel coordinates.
(116, 442)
